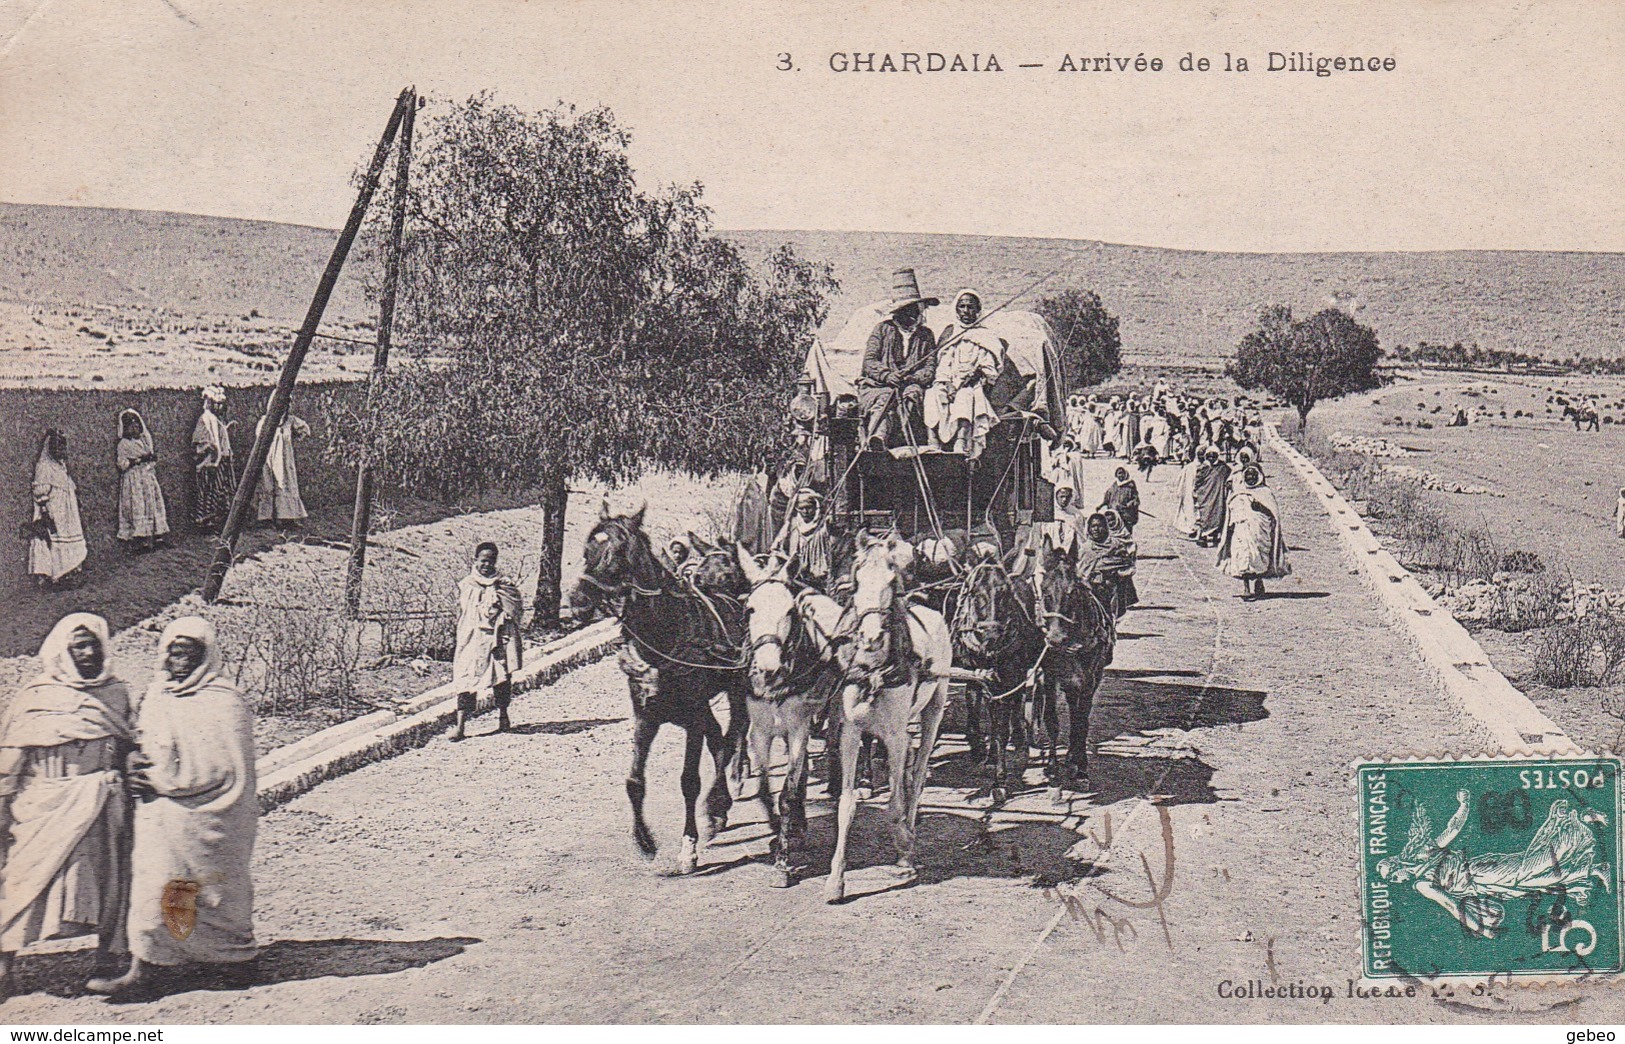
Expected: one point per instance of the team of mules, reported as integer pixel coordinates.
(790, 659)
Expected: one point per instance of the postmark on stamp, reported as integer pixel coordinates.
(1504, 867)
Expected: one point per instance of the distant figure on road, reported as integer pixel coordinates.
(1123, 497)
(191, 893)
(215, 463)
(64, 815)
(56, 546)
(1619, 514)
(143, 521)
(1254, 549)
(489, 649)
(1106, 562)
(279, 500)
(1185, 490)
(1212, 494)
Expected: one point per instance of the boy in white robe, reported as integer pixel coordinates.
(489, 648)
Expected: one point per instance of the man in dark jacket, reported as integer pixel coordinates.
(899, 364)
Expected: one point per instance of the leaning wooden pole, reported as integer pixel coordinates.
(248, 482)
(361, 519)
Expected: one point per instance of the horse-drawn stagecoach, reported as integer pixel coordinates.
(924, 491)
(1007, 614)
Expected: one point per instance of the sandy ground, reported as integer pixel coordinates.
(500, 884)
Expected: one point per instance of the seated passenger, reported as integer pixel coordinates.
(956, 405)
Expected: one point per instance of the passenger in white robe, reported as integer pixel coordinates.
(56, 547)
(1254, 548)
(191, 895)
(64, 815)
(279, 501)
(956, 406)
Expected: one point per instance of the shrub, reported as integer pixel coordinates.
(1561, 657)
(289, 648)
(1584, 653)
(1539, 602)
(1521, 562)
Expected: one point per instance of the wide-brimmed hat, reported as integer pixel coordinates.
(905, 290)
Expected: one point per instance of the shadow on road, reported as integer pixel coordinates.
(562, 728)
(288, 960)
(1130, 716)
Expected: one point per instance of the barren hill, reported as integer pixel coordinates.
(1176, 304)
(76, 283)
(183, 263)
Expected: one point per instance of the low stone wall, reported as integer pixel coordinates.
(1502, 714)
(289, 771)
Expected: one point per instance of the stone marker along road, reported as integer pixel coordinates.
(494, 881)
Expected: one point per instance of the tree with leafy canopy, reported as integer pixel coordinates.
(568, 323)
(1091, 349)
(1305, 361)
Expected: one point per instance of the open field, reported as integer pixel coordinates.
(1552, 489)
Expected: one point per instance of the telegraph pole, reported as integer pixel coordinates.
(361, 520)
(249, 481)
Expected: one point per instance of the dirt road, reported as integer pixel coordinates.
(494, 881)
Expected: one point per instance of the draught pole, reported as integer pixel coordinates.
(361, 520)
(248, 483)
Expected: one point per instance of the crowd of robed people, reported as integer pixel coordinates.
(54, 531)
(940, 392)
(1224, 500)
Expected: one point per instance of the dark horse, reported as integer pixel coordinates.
(1582, 415)
(1079, 639)
(681, 650)
(997, 634)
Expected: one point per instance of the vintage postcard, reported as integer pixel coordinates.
(531, 512)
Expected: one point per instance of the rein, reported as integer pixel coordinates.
(630, 589)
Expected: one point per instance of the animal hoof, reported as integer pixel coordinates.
(719, 824)
(1000, 795)
(781, 877)
(863, 793)
(834, 892)
(1055, 795)
(645, 842)
(688, 857)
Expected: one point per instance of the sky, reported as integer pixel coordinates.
(1500, 127)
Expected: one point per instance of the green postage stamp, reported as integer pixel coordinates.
(1504, 867)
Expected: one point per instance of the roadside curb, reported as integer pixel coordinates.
(290, 771)
(1479, 692)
